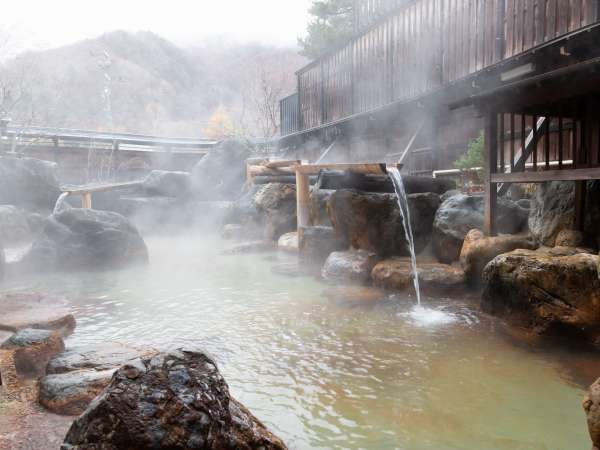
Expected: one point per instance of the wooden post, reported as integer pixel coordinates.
(302, 199)
(490, 167)
(86, 200)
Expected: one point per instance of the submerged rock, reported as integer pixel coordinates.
(551, 292)
(351, 265)
(250, 247)
(71, 393)
(478, 250)
(373, 222)
(221, 174)
(32, 349)
(591, 406)
(176, 400)
(84, 239)
(167, 184)
(460, 214)
(396, 274)
(29, 183)
(37, 310)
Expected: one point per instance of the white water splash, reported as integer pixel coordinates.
(428, 317)
(59, 202)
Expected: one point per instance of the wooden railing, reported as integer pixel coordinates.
(423, 45)
(288, 110)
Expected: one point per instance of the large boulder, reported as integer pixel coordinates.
(71, 393)
(175, 400)
(478, 250)
(319, 198)
(553, 210)
(167, 184)
(315, 244)
(222, 173)
(397, 274)
(591, 406)
(32, 349)
(349, 266)
(85, 239)
(288, 242)
(461, 213)
(276, 205)
(14, 225)
(372, 221)
(550, 291)
(28, 183)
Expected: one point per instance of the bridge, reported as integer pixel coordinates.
(101, 153)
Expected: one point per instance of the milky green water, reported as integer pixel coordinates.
(329, 376)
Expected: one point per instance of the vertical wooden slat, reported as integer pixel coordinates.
(510, 27)
(491, 191)
(560, 142)
(523, 140)
(512, 142)
(547, 142)
(501, 143)
(535, 142)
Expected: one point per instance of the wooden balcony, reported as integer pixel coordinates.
(408, 50)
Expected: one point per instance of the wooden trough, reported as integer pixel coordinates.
(86, 191)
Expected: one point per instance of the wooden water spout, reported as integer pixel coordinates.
(303, 172)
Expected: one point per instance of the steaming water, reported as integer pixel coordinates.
(326, 376)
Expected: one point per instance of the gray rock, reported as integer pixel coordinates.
(32, 349)
(319, 198)
(462, 213)
(108, 355)
(14, 226)
(167, 184)
(222, 173)
(372, 221)
(349, 266)
(177, 400)
(83, 239)
(28, 183)
(276, 204)
(71, 393)
(288, 242)
(315, 244)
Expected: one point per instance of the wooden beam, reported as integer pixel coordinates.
(491, 164)
(580, 199)
(590, 173)
(366, 168)
(302, 199)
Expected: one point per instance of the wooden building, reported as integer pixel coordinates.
(526, 71)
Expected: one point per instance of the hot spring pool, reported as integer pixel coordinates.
(328, 376)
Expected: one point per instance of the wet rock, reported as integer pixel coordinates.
(549, 291)
(317, 243)
(591, 406)
(460, 214)
(37, 310)
(176, 400)
(288, 242)
(349, 266)
(553, 210)
(71, 393)
(319, 198)
(32, 349)
(396, 274)
(569, 238)
(85, 239)
(108, 355)
(478, 250)
(221, 174)
(276, 204)
(250, 247)
(355, 295)
(524, 203)
(28, 183)
(373, 222)
(14, 226)
(167, 184)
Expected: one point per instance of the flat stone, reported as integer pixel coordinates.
(355, 295)
(396, 274)
(71, 393)
(35, 310)
(32, 349)
(103, 356)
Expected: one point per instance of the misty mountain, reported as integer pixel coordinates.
(142, 83)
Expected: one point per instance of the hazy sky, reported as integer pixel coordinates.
(49, 23)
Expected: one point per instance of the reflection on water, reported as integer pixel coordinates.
(322, 375)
